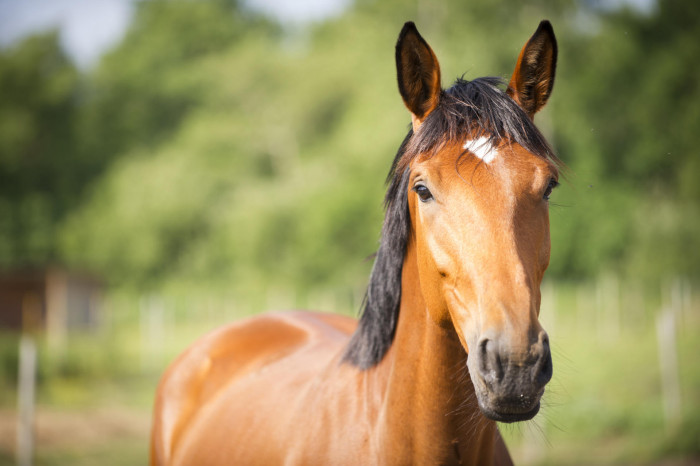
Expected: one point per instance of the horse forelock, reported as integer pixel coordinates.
(469, 109)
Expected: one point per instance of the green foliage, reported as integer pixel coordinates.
(210, 148)
(143, 89)
(9, 366)
(39, 172)
(626, 125)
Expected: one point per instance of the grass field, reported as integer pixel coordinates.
(605, 404)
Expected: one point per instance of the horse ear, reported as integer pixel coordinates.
(533, 78)
(418, 73)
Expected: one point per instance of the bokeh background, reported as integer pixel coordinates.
(169, 166)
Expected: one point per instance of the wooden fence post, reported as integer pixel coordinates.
(668, 360)
(25, 400)
(151, 322)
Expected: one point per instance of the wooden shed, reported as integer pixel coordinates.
(51, 299)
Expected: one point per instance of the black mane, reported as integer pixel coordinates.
(467, 109)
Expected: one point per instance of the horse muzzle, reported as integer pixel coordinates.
(509, 384)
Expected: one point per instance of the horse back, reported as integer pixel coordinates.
(226, 355)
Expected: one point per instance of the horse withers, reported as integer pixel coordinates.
(449, 339)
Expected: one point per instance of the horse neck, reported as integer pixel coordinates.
(430, 410)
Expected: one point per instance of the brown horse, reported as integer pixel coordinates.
(449, 340)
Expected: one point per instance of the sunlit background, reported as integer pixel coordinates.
(169, 166)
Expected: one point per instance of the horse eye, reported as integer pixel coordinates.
(548, 192)
(423, 193)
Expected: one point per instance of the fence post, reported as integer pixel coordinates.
(151, 322)
(56, 311)
(668, 360)
(25, 400)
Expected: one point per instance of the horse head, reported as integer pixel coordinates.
(478, 175)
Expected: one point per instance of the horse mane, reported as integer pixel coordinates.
(467, 109)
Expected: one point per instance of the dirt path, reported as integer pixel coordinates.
(77, 428)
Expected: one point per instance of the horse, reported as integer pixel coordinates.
(448, 341)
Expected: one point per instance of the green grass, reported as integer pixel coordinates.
(119, 452)
(603, 406)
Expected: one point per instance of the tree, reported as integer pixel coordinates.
(40, 173)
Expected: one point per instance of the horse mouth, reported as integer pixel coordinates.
(509, 415)
(509, 408)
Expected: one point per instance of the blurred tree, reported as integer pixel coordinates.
(135, 229)
(40, 173)
(214, 148)
(142, 89)
(627, 124)
(274, 175)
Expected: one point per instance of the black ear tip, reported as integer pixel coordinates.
(408, 27)
(546, 27)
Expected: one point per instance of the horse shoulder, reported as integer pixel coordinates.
(225, 355)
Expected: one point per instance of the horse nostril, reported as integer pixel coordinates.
(483, 356)
(544, 369)
(490, 364)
